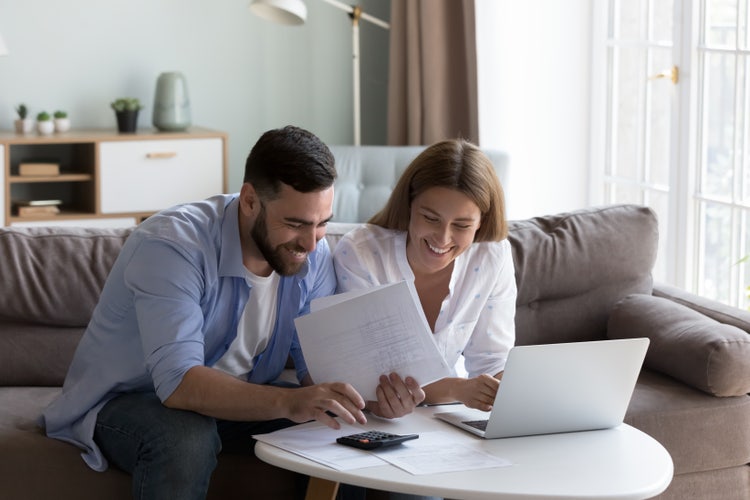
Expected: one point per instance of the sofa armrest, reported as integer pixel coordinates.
(713, 309)
(686, 344)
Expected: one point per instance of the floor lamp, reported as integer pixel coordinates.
(294, 12)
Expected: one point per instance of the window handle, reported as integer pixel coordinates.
(673, 74)
(161, 155)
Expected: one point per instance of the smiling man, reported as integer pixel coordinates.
(196, 322)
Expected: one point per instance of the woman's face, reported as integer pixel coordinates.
(442, 225)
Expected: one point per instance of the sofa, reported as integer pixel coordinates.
(581, 275)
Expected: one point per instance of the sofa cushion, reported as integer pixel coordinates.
(53, 275)
(685, 344)
(701, 432)
(571, 269)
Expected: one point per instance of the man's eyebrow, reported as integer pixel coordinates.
(304, 222)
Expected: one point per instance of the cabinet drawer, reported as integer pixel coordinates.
(149, 175)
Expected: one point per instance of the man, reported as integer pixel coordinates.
(196, 320)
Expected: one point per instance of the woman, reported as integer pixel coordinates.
(444, 228)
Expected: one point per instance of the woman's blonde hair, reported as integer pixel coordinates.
(454, 164)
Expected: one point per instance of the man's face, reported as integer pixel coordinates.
(286, 229)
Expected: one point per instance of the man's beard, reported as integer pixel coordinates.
(274, 256)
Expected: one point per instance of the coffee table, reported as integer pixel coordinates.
(622, 463)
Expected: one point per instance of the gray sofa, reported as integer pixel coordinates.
(581, 276)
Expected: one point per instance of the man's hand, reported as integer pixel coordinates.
(396, 397)
(478, 392)
(313, 402)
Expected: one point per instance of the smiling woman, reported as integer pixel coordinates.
(444, 228)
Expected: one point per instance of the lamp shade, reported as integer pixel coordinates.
(280, 11)
(3, 47)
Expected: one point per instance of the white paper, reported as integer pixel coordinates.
(365, 335)
(432, 453)
(319, 445)
(438, 452)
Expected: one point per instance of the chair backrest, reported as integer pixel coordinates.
(368, 174)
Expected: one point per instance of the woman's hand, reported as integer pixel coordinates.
(396, 397)
(478, 392)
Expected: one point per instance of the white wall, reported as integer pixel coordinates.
(245, 75)
(534, 81)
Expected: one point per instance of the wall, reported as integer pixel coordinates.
(534, 86)
(245, 75)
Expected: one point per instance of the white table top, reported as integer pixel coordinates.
(615, 464)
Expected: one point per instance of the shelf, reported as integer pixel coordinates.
(51, 178)
(107, 176)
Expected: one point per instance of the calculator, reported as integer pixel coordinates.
(371, 440)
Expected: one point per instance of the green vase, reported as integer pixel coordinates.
(171, 102)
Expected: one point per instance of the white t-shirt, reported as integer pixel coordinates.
(477, 318)
(255, 326)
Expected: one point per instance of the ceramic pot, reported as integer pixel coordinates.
(25, 126)
(127, 121)
(171, 102)
(62, 124)
(45, 127)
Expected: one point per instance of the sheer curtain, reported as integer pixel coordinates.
(432, 86)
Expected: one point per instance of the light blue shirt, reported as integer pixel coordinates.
(171, 302)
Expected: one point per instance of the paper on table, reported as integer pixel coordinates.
(319, 444)
(365, 335)
(438, 452)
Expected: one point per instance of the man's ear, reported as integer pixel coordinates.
(249, 200)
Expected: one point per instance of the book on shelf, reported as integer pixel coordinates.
(38, 169)
(29, 211)
(36, 203)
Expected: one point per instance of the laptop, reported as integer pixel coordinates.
(553, 388)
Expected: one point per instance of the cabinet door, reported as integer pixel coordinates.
(149, 175)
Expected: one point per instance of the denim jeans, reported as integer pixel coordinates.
(169, 453)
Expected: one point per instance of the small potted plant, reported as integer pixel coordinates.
(44, 124)
(62, 122)
(126, 111)
(23, 124)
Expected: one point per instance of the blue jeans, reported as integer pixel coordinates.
(170, 453)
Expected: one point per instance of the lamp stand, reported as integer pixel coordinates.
(355, 12)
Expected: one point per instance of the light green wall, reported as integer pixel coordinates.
(245, 75)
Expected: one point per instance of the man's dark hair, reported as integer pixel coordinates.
(292, 156)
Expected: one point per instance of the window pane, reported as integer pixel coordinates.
(716, 264)
(721, 23)
(718, 126)
(660, 108)
(661, 20)
(627, 193)
(630, 19)
(629, 79)
(745, 266)
(659, 202)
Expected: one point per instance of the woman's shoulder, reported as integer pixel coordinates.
(492, 250)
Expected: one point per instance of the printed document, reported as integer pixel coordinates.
(355, 337)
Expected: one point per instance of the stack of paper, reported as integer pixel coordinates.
(357, 336)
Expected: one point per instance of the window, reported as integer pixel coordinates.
(674, 135)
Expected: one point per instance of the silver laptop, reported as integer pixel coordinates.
(553, 388)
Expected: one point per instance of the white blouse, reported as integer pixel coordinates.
(476, 318)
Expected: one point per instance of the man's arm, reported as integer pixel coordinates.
(211, 392)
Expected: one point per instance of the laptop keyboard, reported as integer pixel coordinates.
(477, 424)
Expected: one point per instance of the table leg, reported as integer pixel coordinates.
(321, 489)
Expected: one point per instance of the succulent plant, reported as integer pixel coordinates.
(60, 114)
(22, 111)
(126, 104)
(43, 116)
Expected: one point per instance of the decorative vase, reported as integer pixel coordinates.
(127, 121)
(171, 102)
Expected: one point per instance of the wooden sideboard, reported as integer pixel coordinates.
(111, 179)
